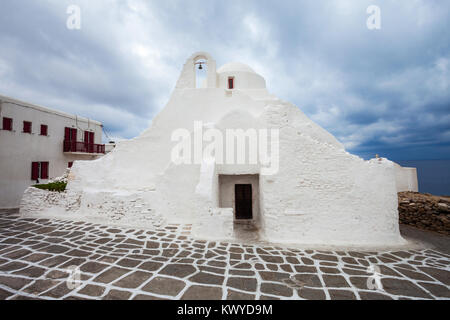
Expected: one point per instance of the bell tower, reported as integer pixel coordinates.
(188, 79)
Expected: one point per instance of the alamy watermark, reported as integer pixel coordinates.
(230, 146)
(374, 281)
(74, 20)
(374, 20)
(74, 279)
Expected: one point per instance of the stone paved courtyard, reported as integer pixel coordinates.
(37, 256)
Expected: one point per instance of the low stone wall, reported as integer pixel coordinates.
(35, 200)
(425, 211)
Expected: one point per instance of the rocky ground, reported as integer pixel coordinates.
(425, 211)
(55, 259)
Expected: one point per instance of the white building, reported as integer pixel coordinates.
(406, 179)
(196, 165)
(37, 144)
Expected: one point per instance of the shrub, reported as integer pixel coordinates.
(59, 186)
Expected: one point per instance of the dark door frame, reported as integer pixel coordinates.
(243, 198)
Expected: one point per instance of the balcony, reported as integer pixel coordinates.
(77, 147)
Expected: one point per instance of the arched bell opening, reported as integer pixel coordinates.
(201, 73)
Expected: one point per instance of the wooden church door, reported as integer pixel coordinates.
(243, 198)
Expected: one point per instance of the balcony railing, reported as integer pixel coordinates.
(83, 147)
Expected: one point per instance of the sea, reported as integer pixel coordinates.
(433, 175)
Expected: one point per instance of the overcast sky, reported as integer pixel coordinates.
(380, 91)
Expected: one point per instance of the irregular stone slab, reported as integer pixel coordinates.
(245, 284)
(111, 274)
(32, 272)
(341, 295)
(44, 230)
(307, 261)
(40, 286)
(311, 294)
(133, 280)
(17, 254)
(196, 292)
(437, 290)
(128, 263)
(11, 266)
(59, 291)
(308, 280)
(117, 295)
(361, 282)
(329, 270)
(178, 270)
(305, 269)
(271, 259)
(273, 276)
(356, 271)
(93, 267)
(56, 274)
(388, 271)
(5, 294)
(152, 245)
(439, 274)
(325, 257)
(403, 288)
(78, 253)
(414, 275)
(276, 289)
(235, 295)
(75, 262)
(36, 257)
(207, 278)
(150, 266)
(335, 281)
(164, 286)
(350, 260)
(15, 283)
(55, 249)
(219, 271)
(241, 273)
(286, 268)
(92, 290)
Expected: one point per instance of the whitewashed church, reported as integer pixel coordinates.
(228, 158)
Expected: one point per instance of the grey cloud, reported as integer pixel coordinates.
(379, 91)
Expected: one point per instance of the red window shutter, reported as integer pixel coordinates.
(44, 170)
(70, 164)
(86, 137)
(91, 137)
(230, 83)
(27, 127)
(34, 170)
(66, 134)
(44, 130)
(7, 124)
(73, 134)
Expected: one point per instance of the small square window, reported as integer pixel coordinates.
(231, 83)
(39, 170)
(44, 130)
(7, 124)
(27, 127)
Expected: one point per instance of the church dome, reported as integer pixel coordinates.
(235, 67)
(236, 75)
